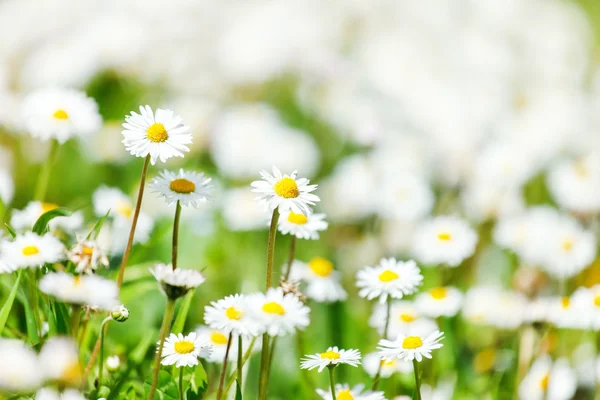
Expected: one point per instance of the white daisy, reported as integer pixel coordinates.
(52, 394)
(331, 358)
(583, 307)
(410, 347)
(184, 350)
(176, 283)
(27, 217)
(548, 380)
(60, 114)
(389, 278)
(405, 197)
(87, 256)
(404, 319)
(160, 134)
(240, 212)
(344, 392)
(32, 250)
(217, 340)
(231, 314)
(187, 187)
(59, 361)
(90, 290)
(285, 192)
(373, 363)
(19, 370)
(323, 282)
(444, 240)
(277, 313)
(492, 306)
(439, 301)
(302, 226)
(575, 184)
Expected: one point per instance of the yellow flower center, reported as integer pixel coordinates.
(30, 250)
(72, 374)
(184, 347)
(484, 360)
(444, 236)
(387, 363)
(567, 245)
(412, 342)
(565, 302)
(48, 207)
(286, 188)
(344, 395)
(77, 280)
(157, 133)
(218, 338)
(297, 219)
(405, 317)
(580, 169)
(388, 276)
(331, 355)
(60, 114)
(597, 301)
(181, 185)
(124, 209)
(321, 266)
(87, 251)
(234, 313)
(438, 293)
(544, 382)
(273, 308)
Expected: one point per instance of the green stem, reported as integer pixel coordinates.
(180, 379)
(224, 368)
(101, 362)
(239, 361)
(291, 257)
(271, 353)
(417, 380)
(271, 247)
(385, 333)
(35, 301)
(42, 183)
(247, 355)
(166, 324)
(136, 214)
(332, 382)
(175, 235)
(308, 383)
(264, 360)
(75, 317)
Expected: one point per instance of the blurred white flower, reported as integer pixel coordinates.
(19, 371)
(322, 280)
(88, 290)
(492, 306)
(548, 380)
(7, 186)
(32, 250)
(405, 197)
(575, 184)
(240, 211)
(87, 256)
(405, 319)
(52, 394)
(439, 301)
(345, 392)
(59, 361)
(373, 363)
(27, 217)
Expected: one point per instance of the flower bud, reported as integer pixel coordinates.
(120, 313)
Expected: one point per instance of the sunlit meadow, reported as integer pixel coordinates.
(302, 199)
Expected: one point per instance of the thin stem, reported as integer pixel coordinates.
(332, 382)
(239, 361)
(247, 355)
(101, 366)
(271, 246)
(291, 257)
(385, 333)
(180, 379)
(175, 235)
(86, 320)
(42, 183)
(271, 353)
(417, 380)
(166, 324)
(224, 368)
(264, 360)
(136, 214)
(75, 318)
(95, 352)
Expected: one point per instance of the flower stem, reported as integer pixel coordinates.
(291, 257)
(247, 355)
(388, 312)
(166, 324)
(239, 361)
(271, 246)
(101, 365)
(417, 380)
(136, 214)
(175, 235)
(75, 318)
(224, 368)
(332, 382)
(42, 183)
(180, 382)
(264, 361)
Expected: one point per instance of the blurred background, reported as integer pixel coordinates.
(462, 107)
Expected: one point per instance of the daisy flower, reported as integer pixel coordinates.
(344, 392)
(444, 240)
(439, 301)
(52, 394)
(230, 314)
(389, 278)
(32, 250)
(27, 217)
(277, 313)
(405, 197)
(373, 363)
(404, 319)
(331, 358)
(60, 114)
(183, 350)
(302, 226)
(59, 361)
(90, 290)
(160, 134)
(285, 192)
(87, 256)
(176, 283)
(548, 380)
(410, 348)
(187, 187)
(217, 340)
(7, 186)
(323, 282)
(19, 370)
(575, 184)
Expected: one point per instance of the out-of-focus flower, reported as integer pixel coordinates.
(344, 392)
(160, 134)
(7, 186)
(566, 313)
(405, 197)
(575, 184)
(59, 361)
(182, 351)
(26, 218)
(87, 256)
(60, 114)
(548, 380)
(491, 306)
(405, 319)
(322, 281)
(19, 370)
(240, 211)
(176, 283)
(373, 363)
(113, 363)
(331, 358)
(32, 250)
(410, 347)
(88, 290)
(230, 314)
(120, 313)
(439, 301)
(187, 187)
(279, 314)
(52, 394)
(484, 200)
(390, 278)
(302, 226)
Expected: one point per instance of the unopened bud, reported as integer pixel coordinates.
(120, 313)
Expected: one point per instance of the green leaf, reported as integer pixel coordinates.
(96, 229)
(166, 389)
(32, 330)
(183, 312)
(238, 390)
(42, 223)
(10, 230)
(62, 317)
(5, 312)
